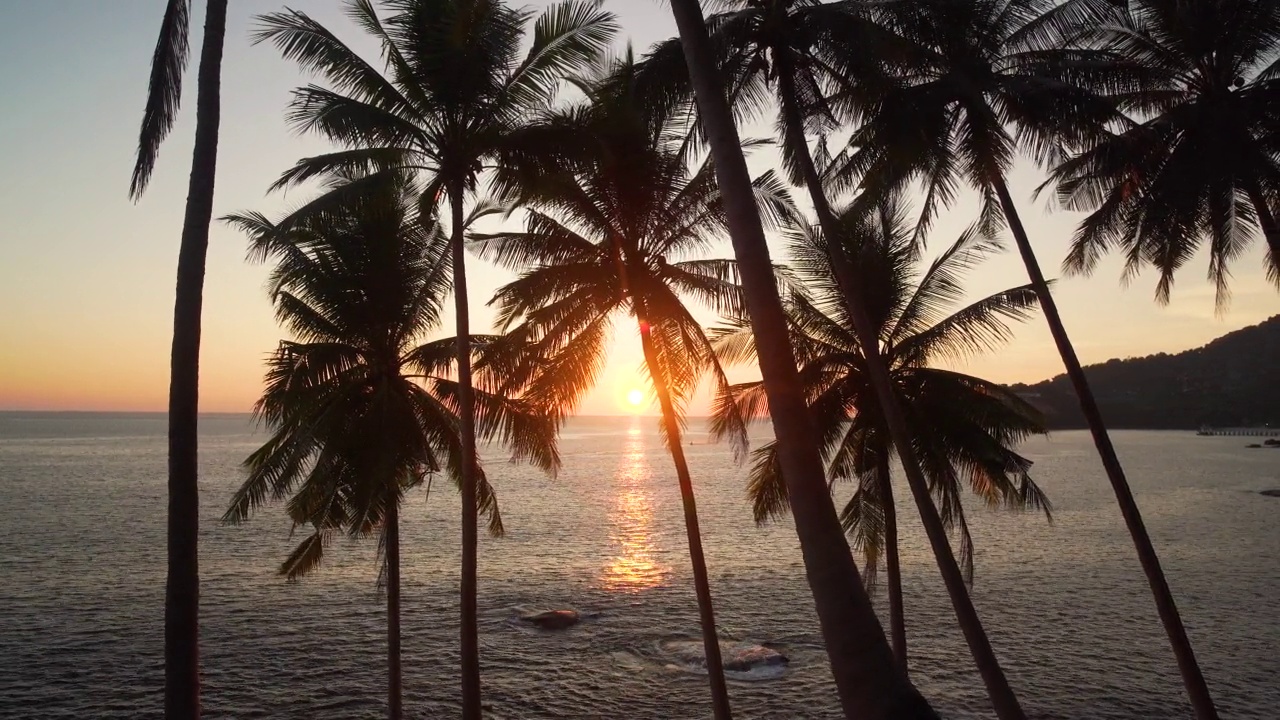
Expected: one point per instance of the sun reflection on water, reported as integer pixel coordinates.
(635, 565)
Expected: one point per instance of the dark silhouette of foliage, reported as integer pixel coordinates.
(1197, 160)
(360, 407)
(456, 83)
(983, 81)
(965, 429)
(870, 686)
(615, 220)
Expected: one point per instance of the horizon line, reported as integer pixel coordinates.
(214, 413)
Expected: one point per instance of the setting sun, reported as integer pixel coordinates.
(635, 399)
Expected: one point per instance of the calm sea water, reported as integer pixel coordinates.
(82, 505)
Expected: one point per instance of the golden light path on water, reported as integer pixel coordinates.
(634, 566)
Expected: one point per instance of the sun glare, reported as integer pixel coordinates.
(635, 399)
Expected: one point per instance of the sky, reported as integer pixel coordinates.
(87, 276)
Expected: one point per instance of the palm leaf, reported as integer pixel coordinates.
(164, 91)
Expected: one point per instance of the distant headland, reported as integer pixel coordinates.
(1233, 381)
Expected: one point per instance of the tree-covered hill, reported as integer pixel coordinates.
(1232, 381)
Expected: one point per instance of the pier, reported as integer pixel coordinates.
(1240, 431)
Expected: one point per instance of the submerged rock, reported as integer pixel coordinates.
(554, 619)
(1270, 493)
(746, 657)
(736, 656)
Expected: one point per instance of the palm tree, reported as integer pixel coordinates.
(981, 80)
(795, 53)
(1201, 159)
(454, 87)
(613, 220)
(964, 427)
(360, 408)
(164, 93)
(805, 50)
(870, 685)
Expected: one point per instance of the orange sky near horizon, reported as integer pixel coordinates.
(86, 277)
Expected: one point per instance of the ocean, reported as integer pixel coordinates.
(82, 566)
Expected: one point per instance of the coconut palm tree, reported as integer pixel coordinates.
(1201, 160)
(869, 684)
(613, 227)
(164, 94)
(981, 81)
(360, 408)
(797, 55)
(802, 52)
(964, 428)
(453, 87)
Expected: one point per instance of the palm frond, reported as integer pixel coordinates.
(567, 36)
(307, 555)
(348, 121)
(863, 521)
(317, 50)
(766, 488)
(164, 91)
(360, 163)
(941, 285)
(979, 327)
(963, 428)
(1175, 177)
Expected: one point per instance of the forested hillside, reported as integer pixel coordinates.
(1232, 381)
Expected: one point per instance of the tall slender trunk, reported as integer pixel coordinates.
(1192, 678)
(701, 582)
(182, 589)
(897, 617)
(869, 684)
(470, 640)
(394, 681)
(1003, 699)
(1270, 228)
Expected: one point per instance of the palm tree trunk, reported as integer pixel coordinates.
(897, 618)
(392, 550)
(701, 582)
(470, 640)
(182, 589)
(1270, 228)
(869, 685)
(1192, 678)
(1003, 699)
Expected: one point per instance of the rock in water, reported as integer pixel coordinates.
(747, 657)
(736, 656)
(554, 619)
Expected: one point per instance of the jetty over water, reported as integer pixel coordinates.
(1263, 431)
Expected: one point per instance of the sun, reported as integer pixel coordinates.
(635, 399)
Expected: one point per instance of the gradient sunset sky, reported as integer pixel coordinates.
(86, 276)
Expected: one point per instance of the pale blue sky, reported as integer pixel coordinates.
(86, 277)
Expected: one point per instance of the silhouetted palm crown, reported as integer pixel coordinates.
(1201, 80)
(804, 54)
(455, 84)
(973, 82)
(611, 222)
(964, 428)
(360, 408)
(800, 53)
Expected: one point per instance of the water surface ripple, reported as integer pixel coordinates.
(82, 506)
